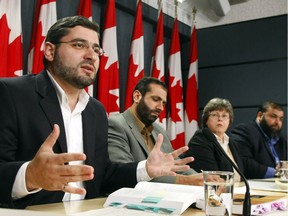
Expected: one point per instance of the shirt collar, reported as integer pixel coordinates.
(226, 139)
(270, 140)
(224, 143)
(140, 125)
(63, 99)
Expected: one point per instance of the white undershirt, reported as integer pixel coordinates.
(73, 129)
(225, 146)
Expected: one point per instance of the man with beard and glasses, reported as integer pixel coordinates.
(260, 143)
(132, 134)
(53, 135)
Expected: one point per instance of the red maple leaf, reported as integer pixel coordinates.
(175, 96)
(155, 71)
(132, 81)
(108, 80)
(179, 141)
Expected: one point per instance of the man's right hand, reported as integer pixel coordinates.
(48, 171)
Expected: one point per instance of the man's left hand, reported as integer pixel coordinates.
(164, 164)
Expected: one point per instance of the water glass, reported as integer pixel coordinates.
(218, 190)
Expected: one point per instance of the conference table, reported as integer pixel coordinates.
(77, 207)
(95, 207)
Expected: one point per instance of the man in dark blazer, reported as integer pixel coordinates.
(38, 166)
(260, 143)
(132, 134)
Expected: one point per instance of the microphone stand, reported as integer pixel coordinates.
(247, 201)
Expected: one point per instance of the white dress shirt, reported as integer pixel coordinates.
(224, 144)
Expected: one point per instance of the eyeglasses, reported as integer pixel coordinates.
(217, 116)
(83, 45)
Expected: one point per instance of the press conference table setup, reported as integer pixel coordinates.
(95, 207)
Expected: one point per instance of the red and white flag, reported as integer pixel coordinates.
(108, 75)
(45, 17)
(136, 59)
(157, 63)
(175, 92)
(11, 38)
(191, 100)
(85, 9)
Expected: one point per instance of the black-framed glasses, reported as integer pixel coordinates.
(83, 45)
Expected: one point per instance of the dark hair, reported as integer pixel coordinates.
(143, 85)
(217, 104)
(269, 104)
(62, 28)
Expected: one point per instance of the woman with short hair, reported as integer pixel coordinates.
(218, 117)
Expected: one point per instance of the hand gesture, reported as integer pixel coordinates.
(51, 171)
(162, 164)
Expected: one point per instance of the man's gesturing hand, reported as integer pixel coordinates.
(162, 164)
(48, 171)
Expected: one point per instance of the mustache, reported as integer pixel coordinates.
(85, 62)
(156, 110)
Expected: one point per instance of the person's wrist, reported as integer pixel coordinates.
(30, 186)
(147, 170)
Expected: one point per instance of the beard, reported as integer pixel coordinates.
(271, 131)
(144, 113)
(69, 74)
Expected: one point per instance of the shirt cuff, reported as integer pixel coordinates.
(19, 189)
(270, 173)
(142, 174)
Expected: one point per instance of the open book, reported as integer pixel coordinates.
(175, 199)
(156, 197)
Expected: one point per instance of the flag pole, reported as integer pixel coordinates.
(176, 5)
(194, 12)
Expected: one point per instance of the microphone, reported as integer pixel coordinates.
(247, 201)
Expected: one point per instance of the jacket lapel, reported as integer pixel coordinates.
(134, 129)
(90, 118)
(50, 105)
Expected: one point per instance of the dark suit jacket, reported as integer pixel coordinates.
(29, 108)
(208, 157)
(255, 151)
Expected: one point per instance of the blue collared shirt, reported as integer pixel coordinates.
(270, 173)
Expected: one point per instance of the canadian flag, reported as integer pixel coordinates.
(136, 59)
(85, 9)
(11, 38)
(108, 76)
(175, 91)
(191, 100)
(45, 17)
(157, 63)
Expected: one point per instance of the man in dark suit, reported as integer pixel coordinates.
(260, 143)
(38, 166)
(132, 134)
